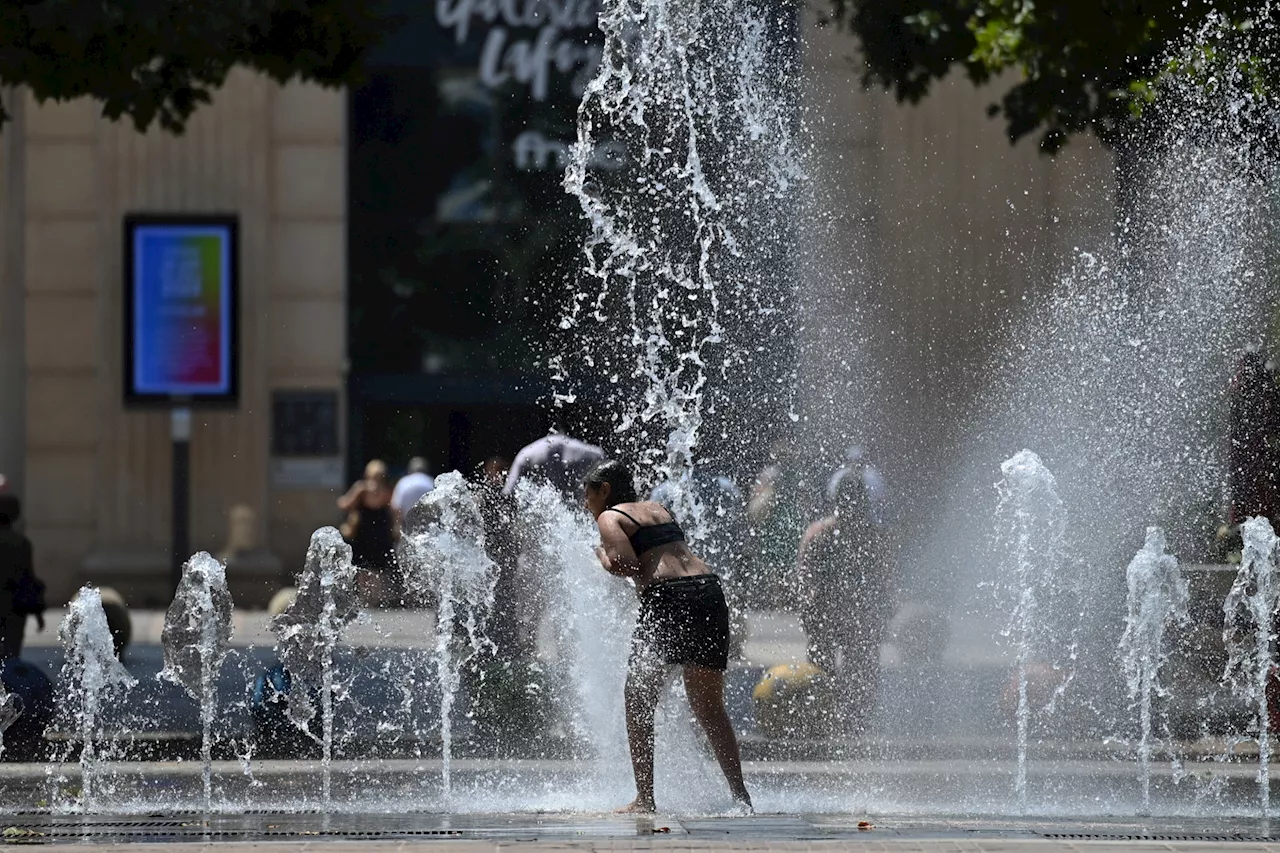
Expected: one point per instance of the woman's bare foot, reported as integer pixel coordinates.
(637, 806)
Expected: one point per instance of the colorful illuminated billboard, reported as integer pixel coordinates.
(180, 309)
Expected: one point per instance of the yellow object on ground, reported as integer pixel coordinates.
(795, 700)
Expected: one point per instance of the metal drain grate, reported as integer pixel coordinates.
(171, 831)
(1080, 836)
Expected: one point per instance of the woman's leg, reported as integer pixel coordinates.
(645, 677)
(705, 688)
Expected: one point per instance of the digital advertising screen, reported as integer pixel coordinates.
(180, 309)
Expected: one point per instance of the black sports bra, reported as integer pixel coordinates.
(650, 536)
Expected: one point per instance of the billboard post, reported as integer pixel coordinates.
(181, 334)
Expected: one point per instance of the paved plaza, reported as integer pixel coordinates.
(442, 833)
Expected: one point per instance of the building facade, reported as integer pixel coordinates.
(938, 222)
(93, 474)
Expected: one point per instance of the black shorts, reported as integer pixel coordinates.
(682, 621)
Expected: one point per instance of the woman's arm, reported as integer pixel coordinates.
(351, 499)
(614, 550)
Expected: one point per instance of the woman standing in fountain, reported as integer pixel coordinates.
(683, 622)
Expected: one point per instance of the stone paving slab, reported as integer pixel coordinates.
(445, 833)
(869, 845)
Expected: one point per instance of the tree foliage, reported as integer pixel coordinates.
(159, 60)
(1083, 64)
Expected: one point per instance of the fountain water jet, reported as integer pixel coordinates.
(1036, 521)
(1158, 599)
(196, 637)
(561, 549)
(442, 552)
(308, 631)
(91, 676)
(1249, 633)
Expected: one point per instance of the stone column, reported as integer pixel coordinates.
(13, 385)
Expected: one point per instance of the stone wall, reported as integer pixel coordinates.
(98, 474)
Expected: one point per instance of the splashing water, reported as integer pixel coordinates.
(196, 637)
(91, 676)
(1158, 598)
(583, 599)
(688, 231)
(1033, 516)
(443, 553)
(1249, 633)
(308, 631)
(10, 710)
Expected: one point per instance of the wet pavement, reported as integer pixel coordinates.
(440, 833)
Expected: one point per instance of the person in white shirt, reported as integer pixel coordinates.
(411, 487)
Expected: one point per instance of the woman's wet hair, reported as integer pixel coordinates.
(622, 486)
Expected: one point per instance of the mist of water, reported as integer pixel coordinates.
(1117, 372)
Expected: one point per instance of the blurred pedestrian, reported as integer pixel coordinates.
(32, 688)
(1253, 430)
(370, 530)
(841, 592)
(274, 733)
(411, 487)
(856, 464)
(558, 459)
(21, 592)
(778, 510)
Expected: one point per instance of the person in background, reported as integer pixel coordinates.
(30, 688)
(840, 589)
(21, 593)
(857, 465)
(370, 530)
(274, 733)
(1253, 429)
(558, 459)
(562, 462)
(778, 509)
(683, 621)
(411, 487)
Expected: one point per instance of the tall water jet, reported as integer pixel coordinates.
(1249, 633)
(1035, 522)
(308, 631)
(195, 638)
(685, 276)
(1158, 599)
(443, 555)
(91, 676)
